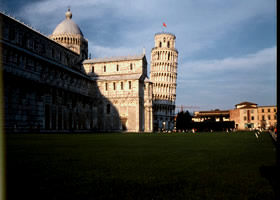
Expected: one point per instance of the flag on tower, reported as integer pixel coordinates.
(164, 24)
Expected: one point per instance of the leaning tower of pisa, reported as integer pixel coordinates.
(163, 74)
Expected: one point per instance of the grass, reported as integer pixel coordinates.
(139, 166)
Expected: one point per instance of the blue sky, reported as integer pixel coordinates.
(227, 49)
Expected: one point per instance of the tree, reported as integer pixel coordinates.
(184, 120)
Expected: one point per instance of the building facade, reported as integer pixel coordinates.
(248, 115)
(163, 73)
(51, 85)
(267, 116)
(122, 82)
(44, 87)
(212, 115)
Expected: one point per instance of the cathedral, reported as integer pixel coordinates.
(50, 84)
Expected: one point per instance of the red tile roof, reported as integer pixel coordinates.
(249, 106)
(246, 103)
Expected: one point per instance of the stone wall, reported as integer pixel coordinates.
(148, 106)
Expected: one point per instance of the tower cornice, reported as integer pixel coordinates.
(165, 33)
(163, 49)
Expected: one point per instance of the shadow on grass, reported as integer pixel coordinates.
(271, 173)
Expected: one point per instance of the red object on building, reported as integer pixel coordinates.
(164, 24)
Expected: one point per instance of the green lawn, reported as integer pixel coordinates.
(139, 166)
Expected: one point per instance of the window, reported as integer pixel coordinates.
(6, 55)
(114, 86)
(268, 117)
(117, 68)
(253, 118)
(262, 110)
(121, 85)
(12, 34)
(53, 54)
(106, 86)
(30, 63)
(108, 108)
(68, 59)
(36, 45)
(131, 66)
(129, 84)
(92, 69)
(43, 48)
(104, 68)
(268, 110)
(263, 117)
(164, 39)
(245, 118)
(274, 109)
(53, 96)
(159, 44)
(168, 44)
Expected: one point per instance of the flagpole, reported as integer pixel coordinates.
(163, 26)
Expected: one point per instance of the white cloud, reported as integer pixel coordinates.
(228, 81)
(101, 51)
(262, 58)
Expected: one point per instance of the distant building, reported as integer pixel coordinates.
(246, 115)
(212, 115)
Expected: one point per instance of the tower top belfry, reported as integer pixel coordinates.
(165, 40)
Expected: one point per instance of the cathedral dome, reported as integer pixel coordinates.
(67, 26)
